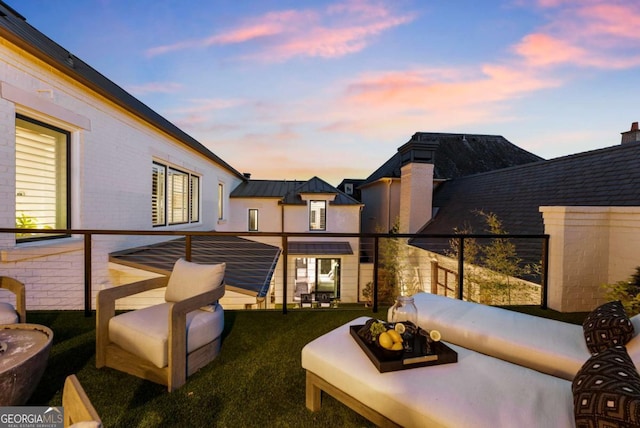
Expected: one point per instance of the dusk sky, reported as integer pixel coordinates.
(293, 89)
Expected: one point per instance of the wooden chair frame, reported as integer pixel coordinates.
(17, 288)
(180, 365)
(76, 404)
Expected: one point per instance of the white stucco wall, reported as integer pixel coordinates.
(381, 201)
(588, 247)
(111, 154)
(416, 196)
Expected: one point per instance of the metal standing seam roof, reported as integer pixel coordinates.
(15, 29)
(289, 191)
(250, 265)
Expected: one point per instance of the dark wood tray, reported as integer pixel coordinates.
(419, 357)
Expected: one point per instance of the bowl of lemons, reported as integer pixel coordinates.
(390, 343)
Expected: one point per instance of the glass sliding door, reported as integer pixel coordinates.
(328, 276)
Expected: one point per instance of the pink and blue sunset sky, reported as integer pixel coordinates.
(293, 89)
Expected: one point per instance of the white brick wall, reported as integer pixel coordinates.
(589, 247)
(112, 153)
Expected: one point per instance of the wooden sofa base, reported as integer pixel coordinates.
(119, 359)
(315, 385)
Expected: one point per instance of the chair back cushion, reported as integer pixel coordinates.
(8, 314)
(190, 279)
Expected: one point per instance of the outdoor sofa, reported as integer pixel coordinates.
(513, 369)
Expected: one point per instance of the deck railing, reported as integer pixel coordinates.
(370, 243)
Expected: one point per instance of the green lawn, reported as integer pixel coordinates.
(256, 380)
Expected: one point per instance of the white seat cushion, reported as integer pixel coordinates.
(8, 314)
(145, 332)
(190, 279)
(477, 391)
(550, 346)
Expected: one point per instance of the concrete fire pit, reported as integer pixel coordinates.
(24, 352)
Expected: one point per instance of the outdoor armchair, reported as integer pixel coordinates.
(167, 342)
(78, 410)
(9, 314)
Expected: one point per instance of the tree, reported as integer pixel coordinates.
(499, 264)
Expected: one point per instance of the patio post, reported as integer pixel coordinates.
(87, 274)
(545, 272)
(461, 269)
(285, 256)
(376, 252)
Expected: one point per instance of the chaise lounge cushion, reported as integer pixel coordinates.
(606, 391)
(8, 314)
(145, 332)
(606, 326)
(477, 391)
(546, 345)
(190, 279)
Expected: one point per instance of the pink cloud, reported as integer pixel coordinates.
(427, 90)
(545, 50)
(585, 33)
(340, 29)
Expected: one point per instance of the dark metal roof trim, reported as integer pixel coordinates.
(322, 247)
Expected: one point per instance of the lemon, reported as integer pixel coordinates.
(399, 327)
(395, 336)
(397, 346)
(435, 335)
(385, 340)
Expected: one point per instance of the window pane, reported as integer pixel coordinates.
(317, 215)
(253, 220)
(178, 196)
(220, 201)
(195, 198)
(158, 180)
(41, 177)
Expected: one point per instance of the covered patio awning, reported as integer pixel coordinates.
(319, 247)
(250, 264)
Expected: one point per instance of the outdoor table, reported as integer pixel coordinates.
(24, 351)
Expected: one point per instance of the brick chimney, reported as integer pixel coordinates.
(416, 183)
(631, 136)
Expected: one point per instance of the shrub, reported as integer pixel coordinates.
(628, 292)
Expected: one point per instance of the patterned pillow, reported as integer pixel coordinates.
(606, 391)
(606, 326)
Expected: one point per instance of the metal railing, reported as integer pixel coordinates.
(89, 234)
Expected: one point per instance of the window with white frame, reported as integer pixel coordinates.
(253, 219)
(175, 196)
(42, 178)
(317, 215)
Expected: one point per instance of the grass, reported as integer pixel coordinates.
(256, 381)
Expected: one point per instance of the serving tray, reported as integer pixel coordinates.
(438, 353)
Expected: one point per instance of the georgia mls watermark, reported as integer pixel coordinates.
(31, 417)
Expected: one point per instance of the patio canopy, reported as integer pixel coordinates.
(250, 264)
(322, 247)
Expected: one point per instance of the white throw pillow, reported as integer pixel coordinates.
(190, 279)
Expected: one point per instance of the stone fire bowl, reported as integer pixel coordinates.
(23, 358)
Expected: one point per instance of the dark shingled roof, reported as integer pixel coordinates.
(604, 177)
(289, 191)
(250, 264)
(15, 29)
(458, 155)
